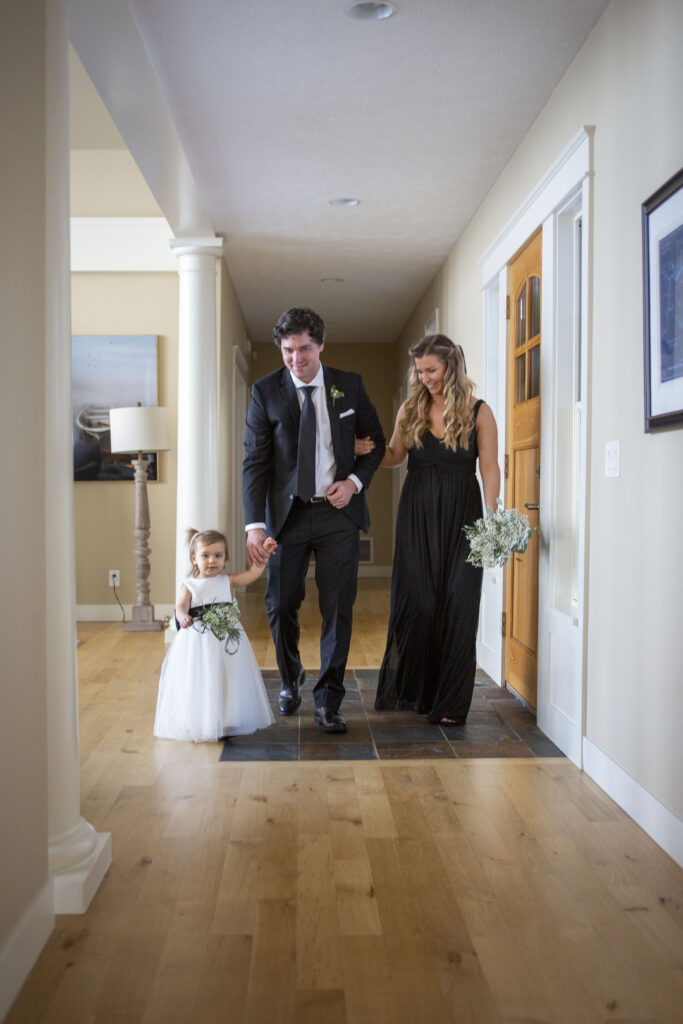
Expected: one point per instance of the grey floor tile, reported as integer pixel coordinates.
(261, 752)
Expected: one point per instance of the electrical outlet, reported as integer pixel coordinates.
(114, 578)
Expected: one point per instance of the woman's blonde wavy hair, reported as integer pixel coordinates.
(205, 537)
(458, 417)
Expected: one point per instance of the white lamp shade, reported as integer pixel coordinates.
(140, 428)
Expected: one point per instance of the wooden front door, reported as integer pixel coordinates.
(522, 465)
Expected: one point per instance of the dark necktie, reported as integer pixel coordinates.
(305, 472)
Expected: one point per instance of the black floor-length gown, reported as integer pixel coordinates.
(430, 658)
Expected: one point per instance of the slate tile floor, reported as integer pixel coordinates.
(498, 725)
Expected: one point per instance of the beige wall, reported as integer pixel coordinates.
(374, 363)
(626, 82)
(135, 303)
(108, 183)
(23, 737)
(128, 304)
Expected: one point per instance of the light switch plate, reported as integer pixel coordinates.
(611, 458)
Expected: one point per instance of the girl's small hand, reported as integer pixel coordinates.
(184, 621)
(363, 446)
(269, 545)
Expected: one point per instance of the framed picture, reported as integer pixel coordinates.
(109, 371)
(662, 216)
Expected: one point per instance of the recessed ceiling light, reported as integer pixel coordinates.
(344, 202)
(365, 10)
(331, 280)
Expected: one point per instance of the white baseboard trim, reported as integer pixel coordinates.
(653, 817)
(112, 612)
(21, 950)
(73, 890)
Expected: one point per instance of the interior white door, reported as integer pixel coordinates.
(562, 497)
(561, 203)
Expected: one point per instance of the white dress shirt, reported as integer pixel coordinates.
(325, 464)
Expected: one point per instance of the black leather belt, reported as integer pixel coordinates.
(313, 501)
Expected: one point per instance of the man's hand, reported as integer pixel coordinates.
(341, 492)
(363, 446)
(257, 552)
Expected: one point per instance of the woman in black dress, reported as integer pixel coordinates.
(430, 657)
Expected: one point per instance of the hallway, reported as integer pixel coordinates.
(365, 891)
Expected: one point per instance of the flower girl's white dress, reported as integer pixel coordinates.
(204, 692)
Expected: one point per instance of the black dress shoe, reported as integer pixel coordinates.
(329, 720)
(289, 700)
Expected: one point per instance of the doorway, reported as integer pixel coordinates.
(556, 214)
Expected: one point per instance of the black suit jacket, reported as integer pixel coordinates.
(271, 442)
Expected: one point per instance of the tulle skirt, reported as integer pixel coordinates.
(206, 693)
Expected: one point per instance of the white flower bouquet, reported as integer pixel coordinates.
(222, 619)
(496, 538)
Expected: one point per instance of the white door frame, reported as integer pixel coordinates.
(570, 176)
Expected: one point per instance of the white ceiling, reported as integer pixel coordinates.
(278, 106)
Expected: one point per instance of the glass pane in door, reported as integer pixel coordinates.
(520, 387)
(535, 371)
(520, 337)
(534, 306)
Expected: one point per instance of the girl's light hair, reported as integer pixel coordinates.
(194, 537)
(458, 417)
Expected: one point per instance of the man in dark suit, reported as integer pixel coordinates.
(303, 485)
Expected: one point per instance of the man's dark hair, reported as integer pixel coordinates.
(299, 321)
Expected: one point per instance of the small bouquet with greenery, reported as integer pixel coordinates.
(496, 538)
(222, 618)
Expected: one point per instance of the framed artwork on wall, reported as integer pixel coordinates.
(109, 371)
(662, 217)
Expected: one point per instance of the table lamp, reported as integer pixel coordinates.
(139, 429)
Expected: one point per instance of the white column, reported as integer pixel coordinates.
(198, 468)
(78, 857)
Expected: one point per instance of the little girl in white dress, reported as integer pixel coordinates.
(209, 687)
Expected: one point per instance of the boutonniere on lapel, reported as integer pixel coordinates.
(335, 393)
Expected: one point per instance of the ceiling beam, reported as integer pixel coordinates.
(106, 38)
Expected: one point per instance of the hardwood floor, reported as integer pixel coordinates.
(348, 893)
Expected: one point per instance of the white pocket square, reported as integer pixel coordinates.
(349, 412)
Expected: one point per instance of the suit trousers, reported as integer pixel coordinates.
(334, 539)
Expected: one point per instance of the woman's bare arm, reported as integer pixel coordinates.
(487, 445)
(396, 452)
